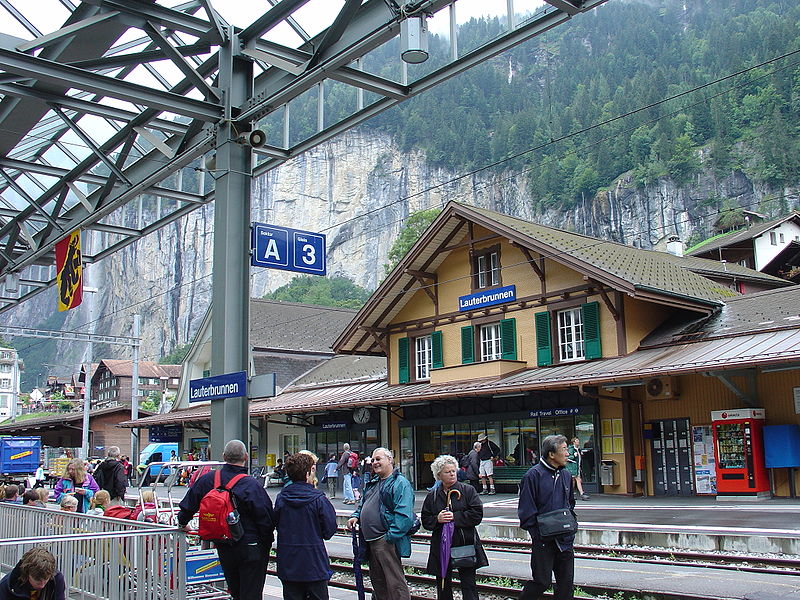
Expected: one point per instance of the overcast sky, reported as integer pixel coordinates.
(49, 15)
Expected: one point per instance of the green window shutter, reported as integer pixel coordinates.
(544, 349)
(467, 345)
(402, 359)
(206, 373)
(436, 350)
(591, 330)
(508, 339)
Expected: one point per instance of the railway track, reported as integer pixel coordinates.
(768, 565)
(485, 589)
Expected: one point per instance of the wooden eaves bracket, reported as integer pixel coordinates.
(427, 282)
(379, 335)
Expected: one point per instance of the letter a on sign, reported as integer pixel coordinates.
(69, 271)
(272, 250)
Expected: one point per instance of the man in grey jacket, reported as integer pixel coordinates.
(472, 462)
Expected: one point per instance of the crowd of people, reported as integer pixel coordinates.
(382, 521)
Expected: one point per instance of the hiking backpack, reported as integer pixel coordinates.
(119, 512)
(352, 460)
(218, 515)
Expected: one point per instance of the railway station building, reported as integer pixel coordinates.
(492, 324)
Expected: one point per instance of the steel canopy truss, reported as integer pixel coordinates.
(104, 121)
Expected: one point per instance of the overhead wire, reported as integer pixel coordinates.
(517, 174)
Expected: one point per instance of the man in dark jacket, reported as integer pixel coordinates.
(35, 572)
(304, 518)
(547, 486)
(244, 562)
(110, 475)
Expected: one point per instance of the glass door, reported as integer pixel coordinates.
(557, 426)
(429, 440)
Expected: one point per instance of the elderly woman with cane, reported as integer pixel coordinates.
(452, 511)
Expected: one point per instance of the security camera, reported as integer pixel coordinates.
(255, 138)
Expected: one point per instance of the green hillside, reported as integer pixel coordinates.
(624, 56)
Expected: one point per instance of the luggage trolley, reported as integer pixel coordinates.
(202, 564)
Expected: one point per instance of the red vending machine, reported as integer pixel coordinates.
(739, 449)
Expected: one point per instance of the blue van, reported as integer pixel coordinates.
(156, 452)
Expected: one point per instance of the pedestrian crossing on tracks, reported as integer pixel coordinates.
(508, 502)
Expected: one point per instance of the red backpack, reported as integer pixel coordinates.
(119, 512)
(218, 516)
(352, 460)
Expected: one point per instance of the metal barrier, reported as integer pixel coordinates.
(100, 558)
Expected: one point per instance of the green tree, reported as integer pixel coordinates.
(152, 403)
(415, 224)
(684, 161)
(176, 356)
(322, 291)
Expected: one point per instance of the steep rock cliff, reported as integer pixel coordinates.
(358, 189)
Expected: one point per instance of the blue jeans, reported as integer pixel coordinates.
(348, 487)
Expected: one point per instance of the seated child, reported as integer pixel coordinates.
(100, 502)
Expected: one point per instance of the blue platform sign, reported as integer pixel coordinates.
(288, 249)
(499, 295)
(229, 385)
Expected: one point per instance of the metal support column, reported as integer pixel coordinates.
(137, 334)
(230, 295)
(15, 387)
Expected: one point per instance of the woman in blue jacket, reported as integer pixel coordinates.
(305, 519)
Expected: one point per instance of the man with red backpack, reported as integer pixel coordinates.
(243, 546)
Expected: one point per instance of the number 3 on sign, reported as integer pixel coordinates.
(309, 254)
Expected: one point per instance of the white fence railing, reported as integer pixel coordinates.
(100, 558)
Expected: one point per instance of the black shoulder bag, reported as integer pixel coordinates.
(557, 522)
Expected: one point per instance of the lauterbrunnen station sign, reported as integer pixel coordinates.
(499, 295)
(229, 385)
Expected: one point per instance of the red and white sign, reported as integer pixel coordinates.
(737, 413)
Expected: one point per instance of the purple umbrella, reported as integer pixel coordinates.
(447, 538)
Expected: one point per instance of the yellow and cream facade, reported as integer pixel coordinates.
(495, 325)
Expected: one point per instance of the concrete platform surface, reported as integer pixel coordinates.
(700, 581)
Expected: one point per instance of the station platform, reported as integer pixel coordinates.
(662, 579)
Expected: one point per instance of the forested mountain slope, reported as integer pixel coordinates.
(573, 129)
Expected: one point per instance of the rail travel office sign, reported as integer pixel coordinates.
(288, 249)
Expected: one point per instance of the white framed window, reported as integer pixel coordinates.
(773, 239)
(783, 240)
(570, 335)
(488, 269)
(290, 442)
(5, 368)
(423, 355)
(5, 383)
(491, 346)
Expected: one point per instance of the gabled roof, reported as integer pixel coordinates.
(646, 274)
(760, 312)
(293, 326)
(733, 238)
(124, 368)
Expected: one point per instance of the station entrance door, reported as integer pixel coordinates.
(672, 458)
